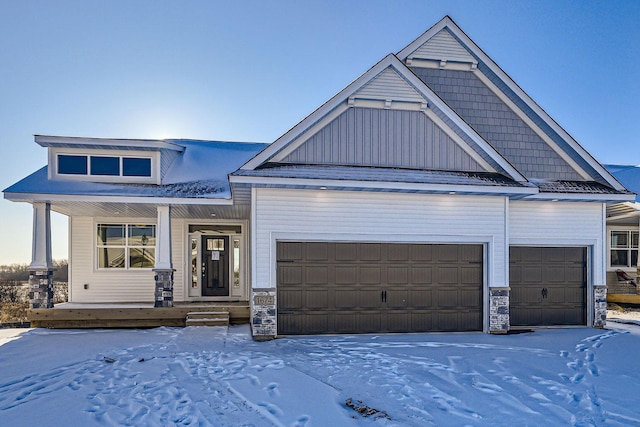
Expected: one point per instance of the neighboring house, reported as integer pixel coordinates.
(431, 194)
(623, 229)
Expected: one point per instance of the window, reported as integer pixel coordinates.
(72, 165)
(133, 166)
(118, 166)
(126, 246)
(624, 248)
(105, 166)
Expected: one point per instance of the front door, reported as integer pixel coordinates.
(215, 266)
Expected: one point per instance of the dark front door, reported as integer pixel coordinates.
(215, 266)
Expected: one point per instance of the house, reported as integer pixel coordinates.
(623, 229)
(430, 194)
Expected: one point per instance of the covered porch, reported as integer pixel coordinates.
(623, 232)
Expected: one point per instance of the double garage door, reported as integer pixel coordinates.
(336, 287)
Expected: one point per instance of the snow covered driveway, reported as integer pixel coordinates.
(220, 377)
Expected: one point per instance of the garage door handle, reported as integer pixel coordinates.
(545, 292)
(383, 296)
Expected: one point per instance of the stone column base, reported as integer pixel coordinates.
(41, 288)
(499, 310)
(599, 306)
(264, 322)
(164, 287)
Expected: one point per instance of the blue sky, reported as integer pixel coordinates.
(250, 70)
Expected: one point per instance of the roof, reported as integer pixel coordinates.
(190, 175)
(628, 175)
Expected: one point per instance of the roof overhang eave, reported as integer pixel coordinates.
(512, 191)
(39, 197)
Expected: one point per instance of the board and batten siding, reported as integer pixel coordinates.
(286, 214)
(388, 138)
(116, 285)
(534, 223)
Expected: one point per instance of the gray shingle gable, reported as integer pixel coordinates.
(497, 123)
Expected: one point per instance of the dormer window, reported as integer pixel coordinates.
(99, 167)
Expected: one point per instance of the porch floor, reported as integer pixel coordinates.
(129, 315)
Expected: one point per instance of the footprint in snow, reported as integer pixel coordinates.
(272, 390)
(273, 409)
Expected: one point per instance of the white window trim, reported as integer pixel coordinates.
(126, 246)
(154, 156)
(609, 248)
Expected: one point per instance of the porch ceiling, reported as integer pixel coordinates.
(149, 210)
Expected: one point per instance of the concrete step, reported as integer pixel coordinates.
(207, 318)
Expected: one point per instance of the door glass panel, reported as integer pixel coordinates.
(236, 263)
(634, 258)
(194, 263)
(215, 244)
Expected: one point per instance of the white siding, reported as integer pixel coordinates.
(388, 85)
(117, 285)
(360, 216)
(443, 46)
(558, 224)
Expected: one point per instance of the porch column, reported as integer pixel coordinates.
(599, 306)
(41, 267)
(163, 268)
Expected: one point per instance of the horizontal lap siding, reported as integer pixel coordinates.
(380, 216)
(558, 224)
(104, 286)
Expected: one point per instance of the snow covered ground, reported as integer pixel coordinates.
(219, 377)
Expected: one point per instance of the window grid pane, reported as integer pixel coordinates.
(619, 239)
(132, 166)
(72, 165)
(109, 166)
(126, 246)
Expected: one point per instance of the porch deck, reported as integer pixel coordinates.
(623, 292)
(129, 315)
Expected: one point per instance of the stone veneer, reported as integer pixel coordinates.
(499, 310)
(41, 288)
(264, 325)
(599, 306)
(164, 288)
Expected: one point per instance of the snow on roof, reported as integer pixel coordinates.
(628, 175)
(200, 171)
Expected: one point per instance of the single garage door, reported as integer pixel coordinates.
(335, 287)
(548, 286)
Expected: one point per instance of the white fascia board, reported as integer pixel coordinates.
(604, 198)
(30, 197)
(470, 44)
(155, 144)
(318, 114)
(384, 185)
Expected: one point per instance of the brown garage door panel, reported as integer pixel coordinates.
(329, 287)
(548, 286)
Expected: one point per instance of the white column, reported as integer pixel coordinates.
(41, 239)
(163, 239)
